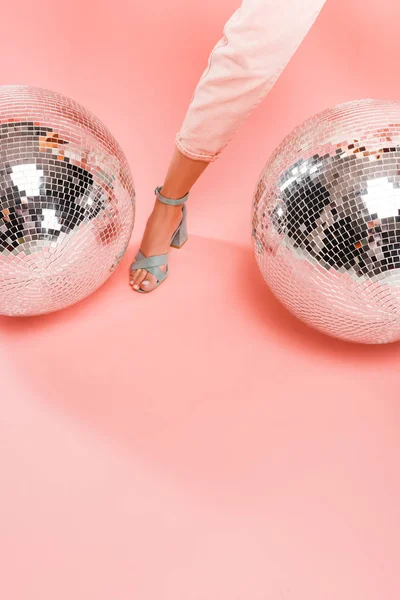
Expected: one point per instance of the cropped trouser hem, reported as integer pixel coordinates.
(258, 41)
(192, 154)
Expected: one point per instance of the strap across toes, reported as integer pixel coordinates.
(151, 264)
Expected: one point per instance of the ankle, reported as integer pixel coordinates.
(174, 192)
(166, 212)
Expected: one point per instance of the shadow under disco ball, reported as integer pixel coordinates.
(67, 201)
(326, 221)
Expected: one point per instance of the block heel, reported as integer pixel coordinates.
(181, 234)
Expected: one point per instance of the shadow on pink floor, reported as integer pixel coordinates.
(220, 443)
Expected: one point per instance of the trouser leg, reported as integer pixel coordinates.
(259, 39)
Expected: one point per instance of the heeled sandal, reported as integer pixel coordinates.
(179, 237)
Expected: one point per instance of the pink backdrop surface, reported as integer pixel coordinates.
(198, 443)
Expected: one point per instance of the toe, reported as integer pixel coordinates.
(134, 275)
(149, 282)
(140, 278)
(152, 281)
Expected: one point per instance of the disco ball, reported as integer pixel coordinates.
(326, 221)
(67, 201)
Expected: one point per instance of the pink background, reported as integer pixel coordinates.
(198, 443)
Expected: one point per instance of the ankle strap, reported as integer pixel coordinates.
(170, 200)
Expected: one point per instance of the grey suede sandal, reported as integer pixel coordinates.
(179, 237)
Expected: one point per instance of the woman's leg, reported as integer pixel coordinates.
(258, 41)
(182, 173)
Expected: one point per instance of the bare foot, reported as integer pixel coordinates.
(160, 226)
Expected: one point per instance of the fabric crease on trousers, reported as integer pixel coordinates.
(258, 41)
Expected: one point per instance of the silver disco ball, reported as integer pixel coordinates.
(326, 221)
(67, 201)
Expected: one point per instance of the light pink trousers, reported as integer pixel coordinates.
(259, 39)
